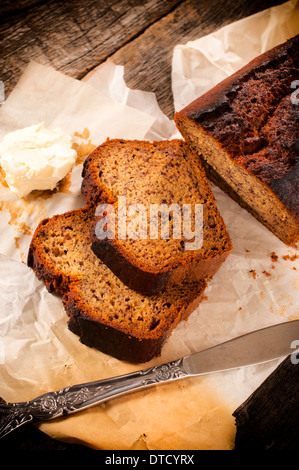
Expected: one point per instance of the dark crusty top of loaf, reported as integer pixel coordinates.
(251, 115)
(155, 173)
(61, 257)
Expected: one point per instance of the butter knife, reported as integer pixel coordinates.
(256, 347)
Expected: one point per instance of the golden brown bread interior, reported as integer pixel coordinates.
(246, 130)
(155, 173)
(104, 312)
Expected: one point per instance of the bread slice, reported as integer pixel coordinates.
(159, 173)
(104, 312)
(246, 130)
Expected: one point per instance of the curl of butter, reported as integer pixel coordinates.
(36, 158)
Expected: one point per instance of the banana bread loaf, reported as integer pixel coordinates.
(246, 131)
(104, 312)
(150, 175)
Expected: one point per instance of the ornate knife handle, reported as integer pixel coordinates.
(79, 397)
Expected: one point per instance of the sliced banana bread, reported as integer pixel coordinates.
(104, 312)
(153, 175)
(246, 130)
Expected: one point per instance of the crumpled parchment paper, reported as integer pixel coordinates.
(257, 286)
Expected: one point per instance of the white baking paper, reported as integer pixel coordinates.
(257, 286)
(199, 65)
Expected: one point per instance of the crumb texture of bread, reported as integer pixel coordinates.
(246, 130)
(104, 312)
(155, 174)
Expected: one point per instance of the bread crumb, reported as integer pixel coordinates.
(83, 150)
(267, 274)
(274, 257)
(291, 258)
(253, 273)
(85, 134)
(2, 178)
(17, 244)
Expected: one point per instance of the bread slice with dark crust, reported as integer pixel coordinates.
(102, 311)
(151, 174)
(246, 130)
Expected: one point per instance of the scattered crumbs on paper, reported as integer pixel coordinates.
(85, 134)
(17, 244)
(85, 148)
(16, 211)
(2, 178)
(20, 210)
(253, 272)
(31, 207)
(266, 274)
(274, 257)
(291, 258)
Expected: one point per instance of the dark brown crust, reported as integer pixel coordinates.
(137, 279)
(149, 283)
(286, 189)
(92, 330)
(281, 178)
(53, 282)
(217, 99)
(110, 340)
(114, 342)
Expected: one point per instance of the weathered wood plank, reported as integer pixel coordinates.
(72, 36)
(149, 67)
(268, 419)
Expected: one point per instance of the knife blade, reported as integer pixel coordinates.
(252, 348)
(255, 347)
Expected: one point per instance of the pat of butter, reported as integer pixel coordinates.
(36, 158)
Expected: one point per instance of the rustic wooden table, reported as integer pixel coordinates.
(75, 37)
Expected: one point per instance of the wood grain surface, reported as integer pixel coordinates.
(76, 37)
(72, 36)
